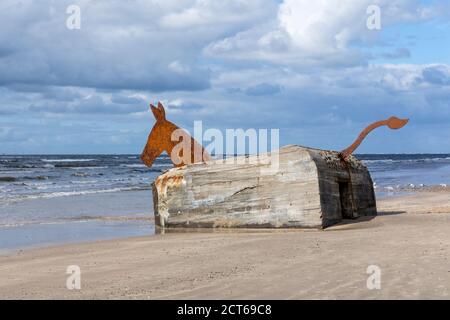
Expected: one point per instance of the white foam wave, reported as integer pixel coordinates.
(133, 165)
(41, 223)
(67, 160)
(441, 159)
(84, 182)
(77, 193)
(86, 168)
(378, 161)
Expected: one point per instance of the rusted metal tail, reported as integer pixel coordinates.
(392, 123)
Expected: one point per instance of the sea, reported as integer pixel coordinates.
(55, 199)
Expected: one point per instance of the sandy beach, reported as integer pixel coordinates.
(409, 241)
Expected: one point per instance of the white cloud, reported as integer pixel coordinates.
(207, 14)
(178, 67)
(148, 45)
(321, 32)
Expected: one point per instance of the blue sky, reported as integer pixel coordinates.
(311, 69)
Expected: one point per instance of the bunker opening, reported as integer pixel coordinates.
(345, 197)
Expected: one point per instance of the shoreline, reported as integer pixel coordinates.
(409, 240)
(41, 222)
(110, 224)
(118, 225)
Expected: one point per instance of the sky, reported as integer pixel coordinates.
(312, 69)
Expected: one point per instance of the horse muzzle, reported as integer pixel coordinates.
(146, 160)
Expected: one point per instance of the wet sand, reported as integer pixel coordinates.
(73, 219)
(409, 241)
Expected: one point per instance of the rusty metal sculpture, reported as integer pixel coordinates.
(165, 136)
(239, 196)
(392, 123)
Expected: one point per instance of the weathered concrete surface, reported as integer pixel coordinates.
(303, 190)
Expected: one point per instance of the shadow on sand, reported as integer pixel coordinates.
(345, 224)
(390, 213)
(361, 222)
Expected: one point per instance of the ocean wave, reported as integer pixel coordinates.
(78, 193)
(84, 181)
(378, 161)
(80, 174)
(40, 223)
(67, 160)
(418, 160)
(74, 165)
(37, 178)
(21, 166)
(162, 165)
(135, 165)
(141, 165)
(87, 167)
(410, 186)
(27, 223)
(16, 179)
(79, 219)
(112, 218)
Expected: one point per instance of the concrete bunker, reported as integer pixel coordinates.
(311, 188)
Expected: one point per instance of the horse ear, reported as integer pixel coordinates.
(161, 110)
(156, 112)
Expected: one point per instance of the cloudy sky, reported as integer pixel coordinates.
(310, 68)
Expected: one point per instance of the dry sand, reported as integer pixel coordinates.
(409, 241)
